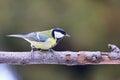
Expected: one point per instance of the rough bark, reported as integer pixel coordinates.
(62, 57)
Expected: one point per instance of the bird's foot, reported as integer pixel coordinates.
(51, 50)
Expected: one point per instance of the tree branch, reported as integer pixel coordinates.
(63, 57)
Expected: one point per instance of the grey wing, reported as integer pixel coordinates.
(35, 37)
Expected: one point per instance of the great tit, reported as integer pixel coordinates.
(43, 40)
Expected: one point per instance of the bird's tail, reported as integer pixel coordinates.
(16, 35)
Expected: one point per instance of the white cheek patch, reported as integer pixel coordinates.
(58, 35)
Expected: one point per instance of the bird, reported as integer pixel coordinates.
(43, 40)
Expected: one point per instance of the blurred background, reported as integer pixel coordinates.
(92, 24)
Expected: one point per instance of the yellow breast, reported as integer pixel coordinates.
(44, 45)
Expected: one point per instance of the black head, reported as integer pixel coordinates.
(59, 33)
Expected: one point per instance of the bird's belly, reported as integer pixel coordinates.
(44, 45)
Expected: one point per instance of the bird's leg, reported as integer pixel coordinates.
(32, 51)
(51, 50)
